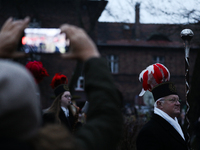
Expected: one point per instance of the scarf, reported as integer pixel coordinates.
(173, 122)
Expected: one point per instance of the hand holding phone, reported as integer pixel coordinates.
(82, 46)
(10, 36)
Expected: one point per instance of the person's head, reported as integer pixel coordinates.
(167, 98)
(156, 79)
(61, 91)
(169, 104)
(66, 99)
(20, 111)
(62, 99)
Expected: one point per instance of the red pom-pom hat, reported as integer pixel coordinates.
(59, 83)
(37, 70)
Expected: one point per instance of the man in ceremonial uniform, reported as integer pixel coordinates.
(162, 131)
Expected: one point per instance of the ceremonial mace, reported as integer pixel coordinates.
(187, 35)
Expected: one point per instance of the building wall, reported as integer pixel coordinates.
(132, 60)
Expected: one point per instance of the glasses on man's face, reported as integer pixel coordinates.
(68, 96)
(174, 100)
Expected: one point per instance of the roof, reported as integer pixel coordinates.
(144, 35)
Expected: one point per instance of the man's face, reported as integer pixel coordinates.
(171, 105)
(66, 99)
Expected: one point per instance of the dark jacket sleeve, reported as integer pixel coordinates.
(103, 127)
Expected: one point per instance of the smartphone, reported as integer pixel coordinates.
(44, 40)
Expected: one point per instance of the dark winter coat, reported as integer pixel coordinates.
(158, 134)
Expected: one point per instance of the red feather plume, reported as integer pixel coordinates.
(165, 71)
(145, 78)
(157, 74)
(58, 79)
(152, 76)
(37, 70)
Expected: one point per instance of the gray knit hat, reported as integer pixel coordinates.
(20, 111)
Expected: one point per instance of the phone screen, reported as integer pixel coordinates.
(44, 40)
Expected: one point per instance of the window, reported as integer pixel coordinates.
(80, 84)
(158, 59)
(113, 63)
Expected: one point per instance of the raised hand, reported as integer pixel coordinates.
(10, 36)
(81, 45)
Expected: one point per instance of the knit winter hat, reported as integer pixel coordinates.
(20, 111)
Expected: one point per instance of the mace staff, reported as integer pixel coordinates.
(187, 35)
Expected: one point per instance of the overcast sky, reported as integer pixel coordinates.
(124, 11)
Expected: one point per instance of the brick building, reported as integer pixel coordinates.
(130, 48)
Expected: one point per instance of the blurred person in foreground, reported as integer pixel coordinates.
(162, 131)
(20, 113)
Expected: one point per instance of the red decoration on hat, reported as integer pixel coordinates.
(152, 76)
(58, 79)
(37, 69)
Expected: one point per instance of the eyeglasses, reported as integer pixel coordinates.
(68, 96)
(173, 100)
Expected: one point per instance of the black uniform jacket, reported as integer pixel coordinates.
(158, 134)
(67, 121)
(49, 118)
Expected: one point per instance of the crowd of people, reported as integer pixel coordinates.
(24, 125)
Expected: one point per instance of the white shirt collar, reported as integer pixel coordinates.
(66, 111)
